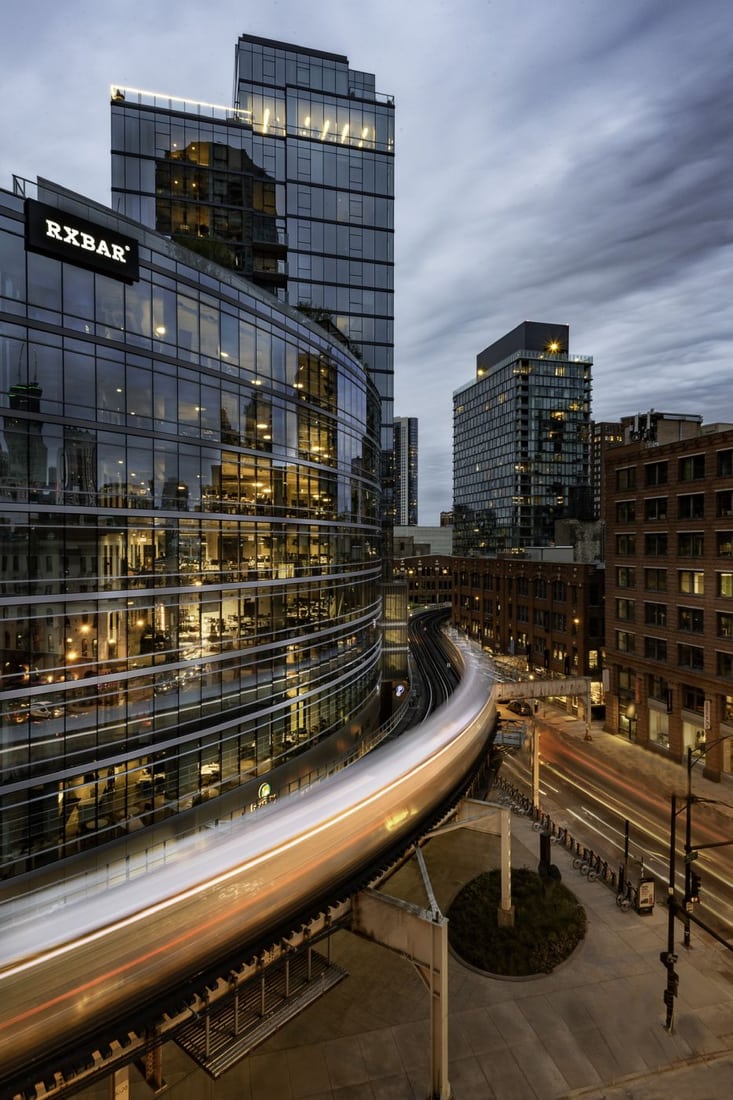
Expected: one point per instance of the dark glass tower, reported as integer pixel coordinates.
(405, 449)
(293, 186)
(521, 442)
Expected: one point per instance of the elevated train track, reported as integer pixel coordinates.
(72, 976)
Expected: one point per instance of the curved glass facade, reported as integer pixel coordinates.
(189, 533)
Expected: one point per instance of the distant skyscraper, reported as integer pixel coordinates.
(521, 441)
(293, 186)
(405, 449)
(604, 434)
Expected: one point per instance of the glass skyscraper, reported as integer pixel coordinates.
(189, 535)
(292, 185)
(521, 442)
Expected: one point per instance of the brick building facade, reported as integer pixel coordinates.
(534, 606)
(669, 592)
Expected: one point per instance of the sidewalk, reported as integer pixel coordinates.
(592, 1029)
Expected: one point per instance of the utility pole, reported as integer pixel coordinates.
(688, 850)
(693, 757)
(668, 957)
(535, 763)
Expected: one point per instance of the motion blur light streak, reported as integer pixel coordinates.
(307, 846)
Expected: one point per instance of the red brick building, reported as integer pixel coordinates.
(429, 578)
(669, 588)
(535, 606)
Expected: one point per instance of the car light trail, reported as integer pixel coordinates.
(117, 950)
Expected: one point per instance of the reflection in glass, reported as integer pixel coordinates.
(183, 547)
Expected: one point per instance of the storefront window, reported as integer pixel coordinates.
(659, 727)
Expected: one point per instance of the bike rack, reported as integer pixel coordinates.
(585, 860)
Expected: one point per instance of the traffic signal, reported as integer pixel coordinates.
(694, 886)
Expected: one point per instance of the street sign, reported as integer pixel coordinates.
(645, 896)
(511, 738)
(691, 856)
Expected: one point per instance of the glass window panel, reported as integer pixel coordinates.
(209, 331)
(110, 306)
(76, 465)
(111, 471)
(46, 368)
(13, 363)
(12, 267)
(44, 282)
(189, 474)
(78, 290)
(110, 391)
(210, 412)
(264, 354)
(247, 345)
(138, 309)
(188, 324)
(164, 315)
(229, 338)
(278, 360)
(169, 493)
(79, 383)
(230, 417)
(139, 397)
(188, 405)
(725, 463)
(165, 399)
(140, 474)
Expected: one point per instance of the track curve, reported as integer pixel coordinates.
(122, 948)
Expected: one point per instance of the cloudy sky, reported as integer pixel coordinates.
(557, 160)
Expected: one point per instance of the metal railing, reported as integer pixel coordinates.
(594, 865)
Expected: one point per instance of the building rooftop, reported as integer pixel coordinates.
(291, 48)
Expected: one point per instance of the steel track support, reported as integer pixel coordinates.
(119, 1084)
(495, 820)
(421, 937)
(151, 1064)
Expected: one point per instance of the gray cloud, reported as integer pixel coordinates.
(556, 160)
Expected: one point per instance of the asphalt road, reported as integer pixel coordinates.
(594, 799)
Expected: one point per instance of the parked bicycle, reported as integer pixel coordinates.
(591, 864)
(626, 899)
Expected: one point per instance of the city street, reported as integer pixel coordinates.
(594, 787)
(592, 1029)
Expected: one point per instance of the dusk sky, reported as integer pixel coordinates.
(557, 160)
